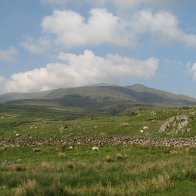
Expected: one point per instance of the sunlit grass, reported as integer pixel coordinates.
(113, 170)
(121, 125)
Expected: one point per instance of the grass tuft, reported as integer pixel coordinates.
(61, 155)
(108, 159)
(70, 165)
(29, 187)
(119, 156)
(191, 174)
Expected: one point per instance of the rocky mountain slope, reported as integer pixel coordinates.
(100, 98)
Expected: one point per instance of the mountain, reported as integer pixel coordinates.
(100, 98)
(21, 96)
(155, 96)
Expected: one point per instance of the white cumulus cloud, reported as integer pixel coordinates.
(38, 47)
(8, 54)
(102, 27)
(2, 79)
(127, 5)
(2, 85)
(68, 29)
(164, 26)
(193, 70)
(83, 69)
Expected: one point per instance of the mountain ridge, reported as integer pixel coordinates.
(100, 97)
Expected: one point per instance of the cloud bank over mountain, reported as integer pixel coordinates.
(60, 43)
(83, 69)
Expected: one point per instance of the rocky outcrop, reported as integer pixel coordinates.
(176, 124)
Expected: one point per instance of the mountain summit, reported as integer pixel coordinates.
(100, 97)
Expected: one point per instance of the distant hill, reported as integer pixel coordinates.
(100, 98)
(155, 96)
(21, 96)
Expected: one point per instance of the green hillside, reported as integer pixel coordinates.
(94, 99)
(46, 144)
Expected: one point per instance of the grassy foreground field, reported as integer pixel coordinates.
(112, 169)
(56, 122)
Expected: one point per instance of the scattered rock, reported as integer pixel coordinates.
(153, 121)
(124, 124)
(120, 156)
(19, 161)
(70, 148)
(37, 149)
(63, 127)
(153, 113)
(61, 155)
(5, 163)
(141, 131)
(108, 158)
(95, 148)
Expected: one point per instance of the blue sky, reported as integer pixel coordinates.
(46, 44)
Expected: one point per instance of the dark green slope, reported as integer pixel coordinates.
(158, 97)
(20, 96)
(136, 94)
(107, 99)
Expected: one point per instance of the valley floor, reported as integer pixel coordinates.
(110, 170)
(148, 152)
